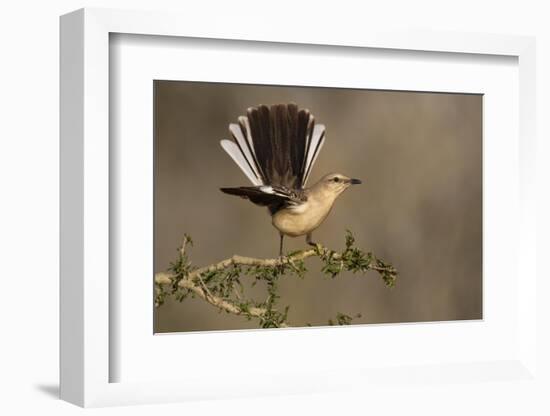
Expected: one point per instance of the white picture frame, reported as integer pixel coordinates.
(86, 356)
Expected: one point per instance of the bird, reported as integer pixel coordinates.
(276, 147)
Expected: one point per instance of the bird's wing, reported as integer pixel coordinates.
(276, 146)
(266, 195)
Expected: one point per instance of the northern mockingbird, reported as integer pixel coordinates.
(276, 148)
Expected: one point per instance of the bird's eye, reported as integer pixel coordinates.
(336, 179)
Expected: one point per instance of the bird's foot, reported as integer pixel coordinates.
(311, 242)
(281, 260)
(317, 246)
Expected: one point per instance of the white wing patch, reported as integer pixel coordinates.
(233, 150)
(279, 191)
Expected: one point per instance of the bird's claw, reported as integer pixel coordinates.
(282, 260)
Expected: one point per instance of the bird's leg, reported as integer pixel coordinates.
(317, 246)
(310, 241)
(281, 257)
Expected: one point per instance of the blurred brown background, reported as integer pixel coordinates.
(419, 207)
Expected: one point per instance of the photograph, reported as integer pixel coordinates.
(282, 206)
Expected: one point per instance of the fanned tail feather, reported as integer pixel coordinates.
(276, 145)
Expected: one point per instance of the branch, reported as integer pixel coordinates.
(215, 283)
(163, 278)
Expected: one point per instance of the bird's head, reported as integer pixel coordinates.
(336, 183)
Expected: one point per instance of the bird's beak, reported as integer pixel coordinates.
(355, 181)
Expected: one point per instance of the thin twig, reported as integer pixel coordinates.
(186, 283)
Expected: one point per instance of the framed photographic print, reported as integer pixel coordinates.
(227, 209)
(418, 203)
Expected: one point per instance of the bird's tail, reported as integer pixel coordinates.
(276, 145)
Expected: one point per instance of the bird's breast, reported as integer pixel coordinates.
(301, 219)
